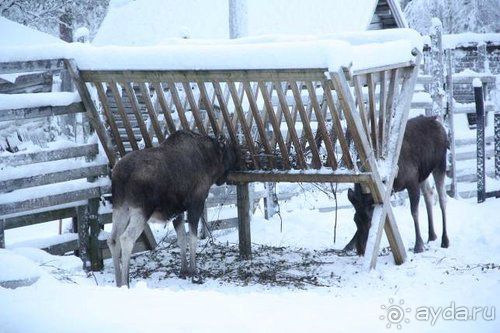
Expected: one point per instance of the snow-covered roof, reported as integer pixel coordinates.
(149, 22)
(15, 34)
(361, 49)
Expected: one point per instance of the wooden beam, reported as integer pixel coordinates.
(31, 66)
(52, 177)
(290, 176)
(40, 111)
(52, 200)
(17, 159)
(205, 75)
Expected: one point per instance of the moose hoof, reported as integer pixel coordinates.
(432, 237)
(418, 248)
(445, 243)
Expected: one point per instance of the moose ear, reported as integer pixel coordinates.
(350, 196)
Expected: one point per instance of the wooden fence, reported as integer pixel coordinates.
(54, 181)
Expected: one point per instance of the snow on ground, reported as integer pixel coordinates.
(335, 294)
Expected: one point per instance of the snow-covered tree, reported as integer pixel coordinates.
(456, 15)
(56, 17)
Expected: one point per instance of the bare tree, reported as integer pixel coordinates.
(456, 15)
(56, 17)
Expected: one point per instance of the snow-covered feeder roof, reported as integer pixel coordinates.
(361, 50)
(15, 34)
(149, 22)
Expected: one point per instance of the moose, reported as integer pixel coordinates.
(165, 182)
(423, 152)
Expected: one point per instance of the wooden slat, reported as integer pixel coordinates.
(167, 111)
(290, 176)
(240, 93)
(225, 112)
(17, 159)
(274, 123)
(205, 75)
(39, 217)
(52, 177)
(136, 109)
(291, 126)
(110, 118)
(40, 111)
(52, 200)
(337, 125)
(92, 114)
(294, 113)
(31, 66)
(146, 98)
(254, 109)
(306, 126)
(244, 126)
(178, 104)
(194, 107)
(383, 68)
(382, 114)
(210, 108)
(391, 95)
(123, 114)
(255, 89)
(372, 113)
(323, 132)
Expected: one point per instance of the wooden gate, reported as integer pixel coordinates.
(343, 126)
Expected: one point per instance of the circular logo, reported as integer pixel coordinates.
(395, 313)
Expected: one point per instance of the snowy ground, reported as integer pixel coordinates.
(296, 282)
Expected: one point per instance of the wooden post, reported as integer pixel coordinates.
(243, 203)
(437, 70)
(449, 123)
(238, 22)
(83, 235)
(270, 200)
(95, 253)
(2, 234)
(483, 65)
(478, 96)
(497, 144)
(204, 231)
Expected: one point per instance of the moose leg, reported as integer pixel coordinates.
(427, 192)
(194, 214)
(414, 194)
(120, 221)
(439, 180)
(182, 243)
(128, 238)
